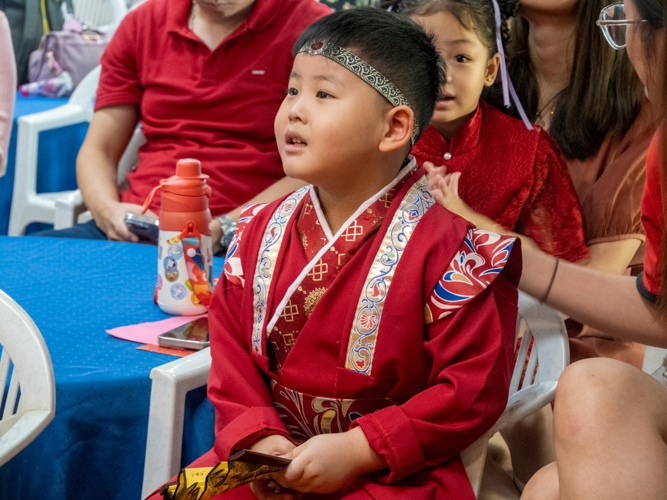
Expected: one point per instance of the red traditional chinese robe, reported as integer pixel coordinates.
(513, 175)
(411, 338)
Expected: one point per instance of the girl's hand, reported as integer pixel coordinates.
(267, 488)
(324, 463)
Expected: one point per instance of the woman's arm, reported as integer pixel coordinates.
(445, 191)
(604, 301)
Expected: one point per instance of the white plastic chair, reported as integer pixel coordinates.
(28, 205)
(69, 206)
(550, 354)
(653, 358)
(63, 209)
(30, 401)
(100, 15)
(172, 381)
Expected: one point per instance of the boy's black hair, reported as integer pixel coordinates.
(394, 45)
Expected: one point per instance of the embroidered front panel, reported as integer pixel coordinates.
(477, 263)
(233, 266)
(306, 416)
(363, 337)
(305, 298)
(266, 263)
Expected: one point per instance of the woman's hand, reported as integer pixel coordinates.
(324, 463)
(445, 190)
(267, 488)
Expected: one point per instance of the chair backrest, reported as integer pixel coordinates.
(543, 335)
(84, 93)
(130, 158)
(27, 384)
(100, 15)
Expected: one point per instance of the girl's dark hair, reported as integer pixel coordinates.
(603, 96)
(477, 16)
(474, 15)
(655, 12)
(394, 45)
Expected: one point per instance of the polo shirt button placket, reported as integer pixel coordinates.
(447, 156)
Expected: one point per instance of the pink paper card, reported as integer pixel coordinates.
(147, 333)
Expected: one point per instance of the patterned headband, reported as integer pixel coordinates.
(364, 71)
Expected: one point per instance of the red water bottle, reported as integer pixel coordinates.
(184, 282)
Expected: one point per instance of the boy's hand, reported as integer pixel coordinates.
(324, 463)
(268, 488)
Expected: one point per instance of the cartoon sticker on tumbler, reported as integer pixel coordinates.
(159, 282)
(171, 269)
(178, 291)
(175, 251)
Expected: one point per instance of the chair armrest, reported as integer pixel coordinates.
(68, 209)
(62, 116)
(171, 382)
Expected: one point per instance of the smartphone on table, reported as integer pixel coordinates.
(146, 228)
(192, 335)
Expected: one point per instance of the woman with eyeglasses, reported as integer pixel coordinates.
(610, 419)
(586, 93)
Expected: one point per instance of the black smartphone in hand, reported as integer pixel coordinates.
(146, 228)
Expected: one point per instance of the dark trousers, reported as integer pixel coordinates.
(86, 231)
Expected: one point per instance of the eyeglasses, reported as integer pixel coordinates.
(614, 24)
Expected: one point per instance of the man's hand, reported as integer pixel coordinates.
(216, 235)
(268, 488)
(111, 220)
(324, 463)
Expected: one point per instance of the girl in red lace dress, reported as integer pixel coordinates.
(512, 179)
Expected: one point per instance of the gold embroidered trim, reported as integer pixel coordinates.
(363, 338)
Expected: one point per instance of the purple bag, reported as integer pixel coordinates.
(77, 52)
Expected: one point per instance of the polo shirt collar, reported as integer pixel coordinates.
(178, 15)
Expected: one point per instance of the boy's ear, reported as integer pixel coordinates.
(492, 70)
(399, 130)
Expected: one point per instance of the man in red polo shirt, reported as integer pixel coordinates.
(205, 78)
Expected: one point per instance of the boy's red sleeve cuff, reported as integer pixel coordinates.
(390, 434)
(244, 430)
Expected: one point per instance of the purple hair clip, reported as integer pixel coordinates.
(508, 88)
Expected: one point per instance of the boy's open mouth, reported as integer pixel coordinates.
(294, 139)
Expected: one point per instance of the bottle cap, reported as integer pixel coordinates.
(188, 181)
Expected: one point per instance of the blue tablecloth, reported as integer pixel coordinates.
(74, 290)
(56, 157)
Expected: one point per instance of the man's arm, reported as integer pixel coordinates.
(284, 186)
(97, 168)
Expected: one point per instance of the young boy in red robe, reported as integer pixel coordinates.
(511, 178)
(359, 328)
